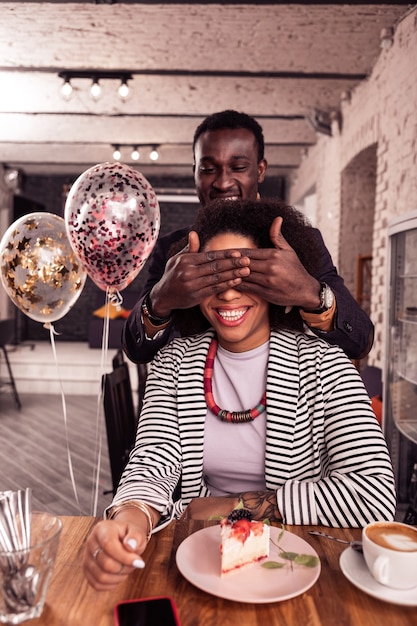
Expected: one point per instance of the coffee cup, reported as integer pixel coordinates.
(390, 551)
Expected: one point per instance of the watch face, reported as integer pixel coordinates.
(328, 297)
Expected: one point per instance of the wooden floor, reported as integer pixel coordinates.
(33, 451)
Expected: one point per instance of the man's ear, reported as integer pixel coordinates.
(262, 167)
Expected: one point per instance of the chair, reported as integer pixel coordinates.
(372, 379)
(142, 376)
(120, 416)
(6, 334)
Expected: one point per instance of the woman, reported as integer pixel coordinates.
(248, 407)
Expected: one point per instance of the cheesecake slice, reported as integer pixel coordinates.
(243, 542)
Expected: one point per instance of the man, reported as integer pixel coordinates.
(229, 162)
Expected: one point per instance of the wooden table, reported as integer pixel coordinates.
(332, 601)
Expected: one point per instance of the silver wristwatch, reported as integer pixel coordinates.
(326, 296)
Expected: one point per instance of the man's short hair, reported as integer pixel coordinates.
(232, 120)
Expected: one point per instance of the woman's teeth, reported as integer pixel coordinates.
(232, 316)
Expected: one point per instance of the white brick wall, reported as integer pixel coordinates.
(382, 111)
(5, 213)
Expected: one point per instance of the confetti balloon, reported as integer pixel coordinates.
(39, 270)
(112, 219)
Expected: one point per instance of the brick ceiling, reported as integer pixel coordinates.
(286, 64)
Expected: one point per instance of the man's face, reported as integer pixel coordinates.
(226, 165)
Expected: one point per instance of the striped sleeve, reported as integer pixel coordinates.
(155, 463)
(350, 478)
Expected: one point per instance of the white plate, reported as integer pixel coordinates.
(354, 568)
(198, 559)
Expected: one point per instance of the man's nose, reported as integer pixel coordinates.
(224, 179)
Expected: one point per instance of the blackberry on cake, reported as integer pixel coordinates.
(238, 514)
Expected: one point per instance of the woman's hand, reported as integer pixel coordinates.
(207, 508)
(112, 552)
(262, 504)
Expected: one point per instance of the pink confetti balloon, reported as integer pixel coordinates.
(112, 219)
(39, 270)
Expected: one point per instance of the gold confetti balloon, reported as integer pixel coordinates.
(39, 270)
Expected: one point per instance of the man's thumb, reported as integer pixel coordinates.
(193, 241)
(275, 233)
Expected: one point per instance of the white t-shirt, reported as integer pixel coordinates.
(234, 454)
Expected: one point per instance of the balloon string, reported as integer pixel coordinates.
(115, 298)
(52, 332)
(99, 414)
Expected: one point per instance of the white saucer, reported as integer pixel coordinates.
(354, 568)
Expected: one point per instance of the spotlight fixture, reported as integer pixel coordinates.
(95, 89)
(124, 89)
(154, 155)
(95, 76)
(66, 88)
(135, 154)
(345, 97)
(13, 179)
(117, 155)
(319, 121)
(387, 38)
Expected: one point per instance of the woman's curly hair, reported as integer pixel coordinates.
(253, 219)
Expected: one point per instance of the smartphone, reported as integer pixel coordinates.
(159, 611)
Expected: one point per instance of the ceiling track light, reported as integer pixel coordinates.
(124, 89)
(135, 154)
(95, 77)
(66, 88)
(95, 89)
(154, 154)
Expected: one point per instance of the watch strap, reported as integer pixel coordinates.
(149, 314)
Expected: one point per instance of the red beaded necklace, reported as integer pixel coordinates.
(236, 417)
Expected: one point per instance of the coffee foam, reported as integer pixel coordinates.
(399, 541)
(393, 536)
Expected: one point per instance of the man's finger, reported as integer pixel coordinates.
(277, 237)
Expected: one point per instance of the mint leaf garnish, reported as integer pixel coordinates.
(273, 565)
(306, 560)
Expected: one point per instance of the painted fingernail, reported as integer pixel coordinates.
(132, 543)
(138, 564)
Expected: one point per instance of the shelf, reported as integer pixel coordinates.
(408, 320)
(408, 379)
(408, 429)
(404, 407)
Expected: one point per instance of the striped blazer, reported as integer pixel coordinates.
(325, 454)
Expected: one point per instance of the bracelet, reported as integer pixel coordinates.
(133, 504)
(148, 313)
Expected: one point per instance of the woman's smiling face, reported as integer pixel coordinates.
(241, 319)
